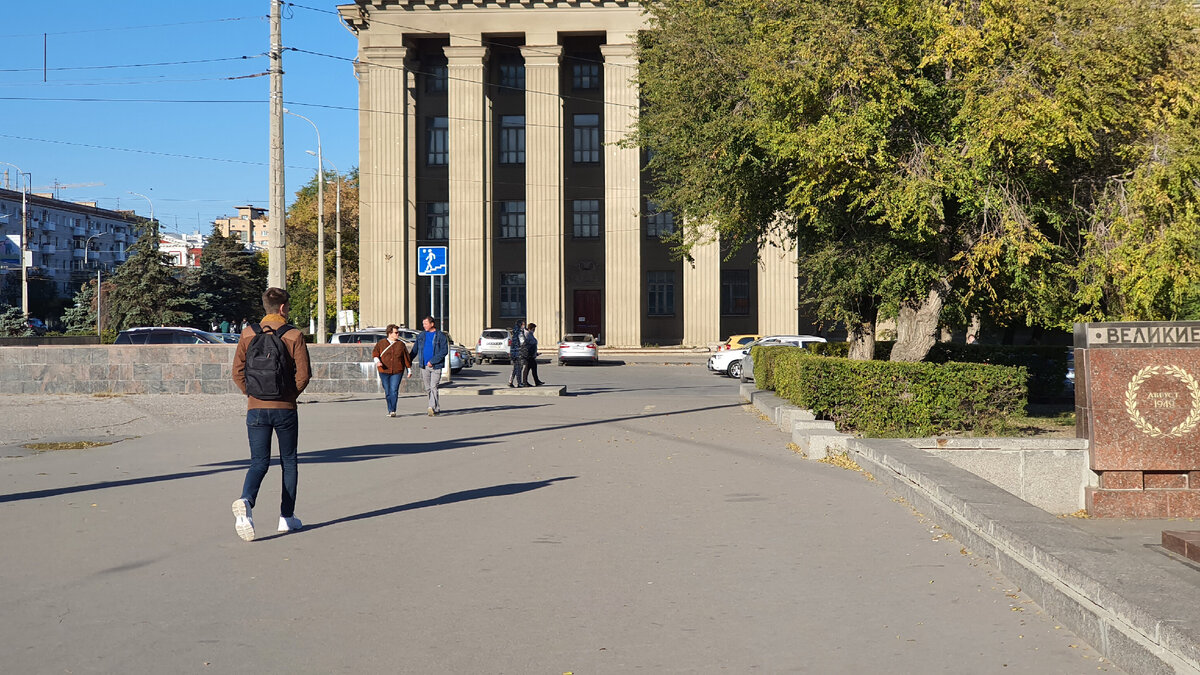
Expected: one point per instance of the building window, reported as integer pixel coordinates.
(661, 289)
(512, 220)
(437, 220)
(512, 295)
(659, 223)
(512, 139)
(436, 78)
(585, 218)
(585, 76)
(735, 292)
(512, 75)
(587, 139)
(438, 152)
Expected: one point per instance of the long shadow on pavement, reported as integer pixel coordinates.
(451, 498)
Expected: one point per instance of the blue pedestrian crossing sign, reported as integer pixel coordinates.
(431, 261)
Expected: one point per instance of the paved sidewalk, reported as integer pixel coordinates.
(645, 522)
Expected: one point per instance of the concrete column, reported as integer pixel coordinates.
(623, 280)
(702, 291)
(778, 289)
(412, 130)
(544, 230)
(469, 178)
(384, 199)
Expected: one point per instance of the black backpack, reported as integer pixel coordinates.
(269, 366)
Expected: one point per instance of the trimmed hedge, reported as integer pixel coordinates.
(1046, 364)
(883, 349)
(886, 399)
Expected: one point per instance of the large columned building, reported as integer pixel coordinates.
(491, 127)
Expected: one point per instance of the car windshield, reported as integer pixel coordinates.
(495, 334)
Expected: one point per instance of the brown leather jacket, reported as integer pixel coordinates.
(298, 349)
(395, 359)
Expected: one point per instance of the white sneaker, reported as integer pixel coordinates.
(391, 414)
(244, 523)
(289, 524)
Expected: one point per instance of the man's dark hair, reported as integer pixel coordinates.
(273, 299)
(432, 321)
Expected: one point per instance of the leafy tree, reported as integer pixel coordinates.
(923, 153)
(302, 246)
(145, 291)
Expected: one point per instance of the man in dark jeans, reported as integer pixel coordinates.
(278, 416)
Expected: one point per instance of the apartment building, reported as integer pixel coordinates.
(68, 241)
(491, 127)
(249, 227)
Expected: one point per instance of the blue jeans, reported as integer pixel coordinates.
(286, 426)
(391, 388)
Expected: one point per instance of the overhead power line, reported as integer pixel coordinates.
(133, 65)
(120, 28)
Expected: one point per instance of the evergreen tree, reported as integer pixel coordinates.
(81, 318)
(144, 290)
(229, 284)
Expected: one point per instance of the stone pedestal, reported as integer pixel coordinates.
(1137, 398)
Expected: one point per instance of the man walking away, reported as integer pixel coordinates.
(531, 352)
(516, 352)
(391, 360)
(429, 351)
(271, 368)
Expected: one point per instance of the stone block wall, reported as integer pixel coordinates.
(169, 369)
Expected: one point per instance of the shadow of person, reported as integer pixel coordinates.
(504, 490)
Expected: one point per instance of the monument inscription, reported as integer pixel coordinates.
(1137, 401)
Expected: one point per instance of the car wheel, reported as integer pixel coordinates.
(743, 377)
(735, 369)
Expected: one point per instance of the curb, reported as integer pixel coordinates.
(1136, 615)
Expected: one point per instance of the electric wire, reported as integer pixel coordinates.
(134, 65)
(122, 28)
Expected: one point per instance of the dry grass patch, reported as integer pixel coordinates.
(843, 461)
(66, 445)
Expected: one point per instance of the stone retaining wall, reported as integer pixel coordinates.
(169, 369)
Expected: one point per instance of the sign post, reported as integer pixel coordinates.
(432, 262)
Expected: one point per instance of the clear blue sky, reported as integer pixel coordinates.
(215, 147)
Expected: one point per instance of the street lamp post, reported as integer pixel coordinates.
(24, 237)
(337, 240)
(320, 232)
(99, 294)
(138, 194)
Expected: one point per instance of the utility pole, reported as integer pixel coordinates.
(276, 237)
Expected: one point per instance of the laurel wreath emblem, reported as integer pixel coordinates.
(1193, 419)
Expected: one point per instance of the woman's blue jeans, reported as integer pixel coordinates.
(260, 424)
(391, 388)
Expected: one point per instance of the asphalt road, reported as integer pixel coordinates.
(647, 523)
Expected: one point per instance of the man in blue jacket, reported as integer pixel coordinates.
(429, 353)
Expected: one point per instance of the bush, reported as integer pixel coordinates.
(1046, 364)
(886, 399)
(883, 349)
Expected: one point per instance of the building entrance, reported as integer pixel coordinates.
(586, 314)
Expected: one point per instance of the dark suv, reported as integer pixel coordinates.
(167, 335)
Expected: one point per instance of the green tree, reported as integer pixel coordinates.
(228, 285)
(145, 291)
(924, 153)
(81, 317)
(12, 323)
(302, 246)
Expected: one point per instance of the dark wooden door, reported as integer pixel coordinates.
(586, 316)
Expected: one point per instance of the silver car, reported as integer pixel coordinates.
(743, 369)
(579, 347)
(493, 344)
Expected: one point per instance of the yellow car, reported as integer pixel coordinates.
(738, 342)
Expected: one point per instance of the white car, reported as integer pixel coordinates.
(729, 362)
(744, 371)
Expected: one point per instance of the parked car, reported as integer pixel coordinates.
(230, 338)
(738, 342)
(460, 356)
(167, 335)
(493, 344)
(578, 347)
(370, 335)
(744, 369)
(36, 326)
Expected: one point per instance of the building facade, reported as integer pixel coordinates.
(68, 241)
(493, 127)
(249, 227)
